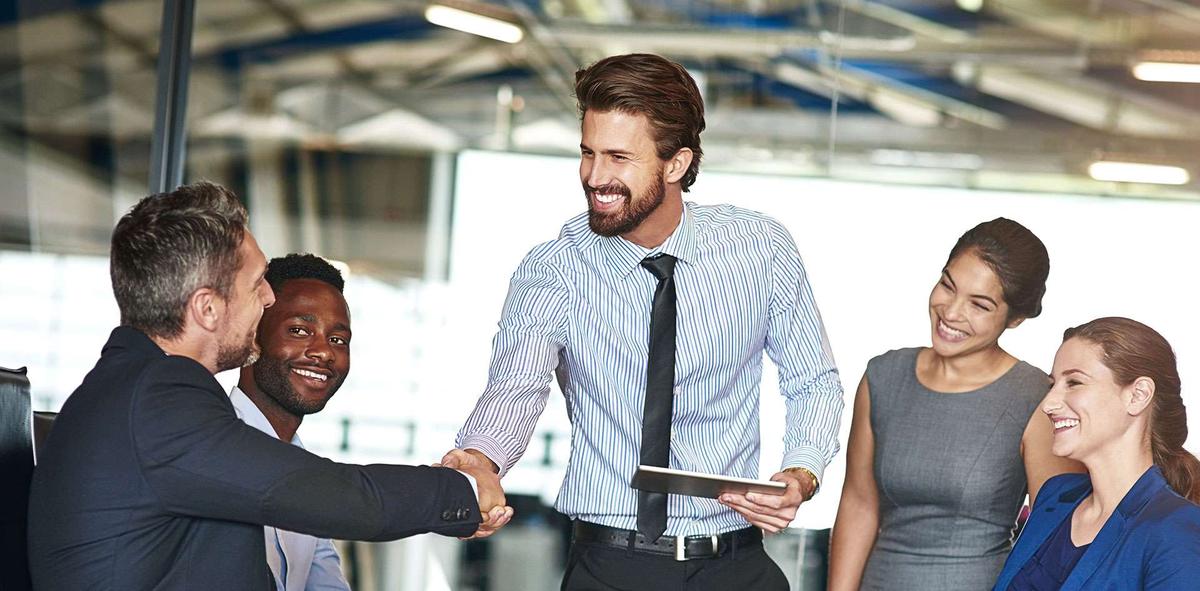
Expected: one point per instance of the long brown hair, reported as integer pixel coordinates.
(1133, 350)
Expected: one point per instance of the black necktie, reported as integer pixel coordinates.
(660, 388)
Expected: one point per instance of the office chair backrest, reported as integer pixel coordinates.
(16, 466)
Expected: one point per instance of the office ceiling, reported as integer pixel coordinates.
(993, 93)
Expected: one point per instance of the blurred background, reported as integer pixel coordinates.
(426, 147)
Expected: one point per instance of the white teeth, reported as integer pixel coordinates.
(602, 198)
(951, 331)
(1060, 423)
(311, 374)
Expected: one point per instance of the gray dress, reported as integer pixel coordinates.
(950, 475)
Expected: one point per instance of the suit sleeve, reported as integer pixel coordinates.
(200, 460)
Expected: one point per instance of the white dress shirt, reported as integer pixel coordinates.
(300, 562)
(579, 307)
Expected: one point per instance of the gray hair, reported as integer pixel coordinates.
(168, 246)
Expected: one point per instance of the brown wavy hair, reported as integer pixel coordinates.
(1133, 350)
(652, 86)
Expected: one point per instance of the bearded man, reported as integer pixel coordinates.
(149, 480)
(655, 315)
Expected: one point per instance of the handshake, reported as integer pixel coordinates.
(487, 479)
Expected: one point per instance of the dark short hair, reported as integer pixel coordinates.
(1018, 258)
(168, 246)
(652, 86)
(303, 266)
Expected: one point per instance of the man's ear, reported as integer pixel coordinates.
(678, 165)
(1015, 322)
(205, 308)
(1140, 394)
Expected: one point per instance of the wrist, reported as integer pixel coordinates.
(487, 462)
(807, 479)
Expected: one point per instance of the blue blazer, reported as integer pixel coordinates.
(1152, 540)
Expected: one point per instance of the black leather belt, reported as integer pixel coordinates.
(679, 547)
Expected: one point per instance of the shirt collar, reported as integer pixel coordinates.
(623, 256)
(248, 412)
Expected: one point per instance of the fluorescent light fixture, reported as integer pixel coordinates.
(1167, 72)
(970, 5)
(476, 24)
(906, 158)
(1138, 172)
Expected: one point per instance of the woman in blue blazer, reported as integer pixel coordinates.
(1131, 522)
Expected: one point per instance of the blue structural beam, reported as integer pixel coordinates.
(12, 11)
(234, 57)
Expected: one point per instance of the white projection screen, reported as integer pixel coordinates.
(872, 253)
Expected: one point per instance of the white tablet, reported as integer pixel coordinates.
(698, 484)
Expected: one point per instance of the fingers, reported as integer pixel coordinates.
(772, 513)
(493, 520)
(456, 458)
(767, 523)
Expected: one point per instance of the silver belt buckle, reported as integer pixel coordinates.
(681, 547)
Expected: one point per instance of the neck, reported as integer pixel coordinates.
(1115, 469)
(185, 345)
(282, 421)
(658, 226)
(970, 367)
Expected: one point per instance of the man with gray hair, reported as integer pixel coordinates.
(149, 480)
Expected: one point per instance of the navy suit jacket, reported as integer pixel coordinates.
(150, 481)
(1152, 540)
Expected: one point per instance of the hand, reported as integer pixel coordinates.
(491, 495)
(772, 513)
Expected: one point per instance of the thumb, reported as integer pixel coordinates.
(451, 460)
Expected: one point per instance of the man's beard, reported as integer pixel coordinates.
(633, 211)
(272, 377)
(238, 354)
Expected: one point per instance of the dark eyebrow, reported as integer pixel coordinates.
(618, 152)
(988, 298)
(946, 274)
(1071, 371)
(311, 318)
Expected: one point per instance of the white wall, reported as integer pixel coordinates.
(873, 252)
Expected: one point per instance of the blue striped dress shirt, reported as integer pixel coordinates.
(579, 307)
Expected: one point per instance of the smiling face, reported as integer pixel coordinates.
(967, 311)
(1088, 408)
(305, 340)
(620, 170)
(249, 294)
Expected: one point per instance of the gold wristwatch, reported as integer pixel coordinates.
(815, 483)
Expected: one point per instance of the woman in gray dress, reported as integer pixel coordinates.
(945, 442)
